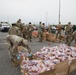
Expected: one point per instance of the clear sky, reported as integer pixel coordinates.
(36, 10)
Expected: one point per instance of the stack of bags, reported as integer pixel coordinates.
(35, 34)
(51, 37)
(61, 53)
(47, 57)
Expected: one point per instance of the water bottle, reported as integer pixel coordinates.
(30, 56)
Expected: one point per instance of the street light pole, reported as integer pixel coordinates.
(59, 10)
(46, 18)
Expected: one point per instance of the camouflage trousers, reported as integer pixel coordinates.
(30, 36)
(71, 39)
(58, 34)
(40, 35)
(13, 52)
(68, 38)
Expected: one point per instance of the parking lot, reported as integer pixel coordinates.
(5, 64)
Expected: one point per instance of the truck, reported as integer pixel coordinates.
(4, 26)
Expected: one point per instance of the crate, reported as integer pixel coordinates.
(72, 66)
(24, 72)
(74, 45)
(61, 68)
(51, 72)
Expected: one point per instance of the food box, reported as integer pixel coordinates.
(72, 66)
(52, 39)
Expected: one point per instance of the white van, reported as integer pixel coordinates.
(4, 26)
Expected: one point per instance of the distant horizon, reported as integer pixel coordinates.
(34, 11)
(37, 23)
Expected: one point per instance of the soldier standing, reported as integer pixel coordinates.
(20, 26)
(49, 29)
(43, 27)
(30, 29)
(14, 30)
(68, 31)
(72, 38)
(25, 32)
(59, 28)
(40, 32)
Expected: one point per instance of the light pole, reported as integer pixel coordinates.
(46, 18)
(59, 10)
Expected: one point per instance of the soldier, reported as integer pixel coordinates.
(40, 32)
(14, 30)
(25, 32)
(15, 41)
(72, 38)
(68, 31)
(74, 28)
(49, 29)
(59, 28)
(20, 26)
(43, 27)
(30, 29)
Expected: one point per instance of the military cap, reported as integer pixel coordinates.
(69, 22)
(13, 24)
(29, 22)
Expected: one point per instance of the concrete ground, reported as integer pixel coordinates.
(5, 64)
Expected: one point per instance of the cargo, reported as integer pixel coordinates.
(35, 34)
(50, 61)
(72, 66)
(61, 68)
(74, 45)
(52, 39)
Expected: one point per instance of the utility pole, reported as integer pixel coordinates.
(59, 10)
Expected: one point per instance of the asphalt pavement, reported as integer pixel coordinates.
(6, 67)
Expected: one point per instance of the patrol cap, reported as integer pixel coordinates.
(43, 23)
(40, 22)
(29, 22)
(19, 20)
(69, 22)
(13, 24)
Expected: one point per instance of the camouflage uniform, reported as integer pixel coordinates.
(68, 31)
(14, 30)
(40, 32)
(59, 28)
(49, 29)
(20, 26)
(30, 29)
(72, 38)
(25, 32)
(13, 42)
